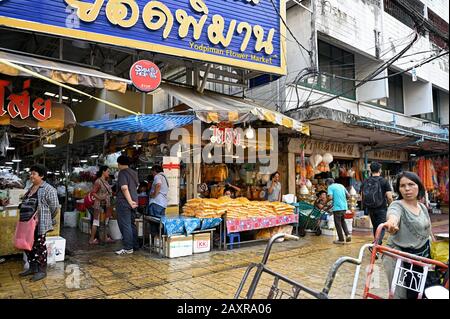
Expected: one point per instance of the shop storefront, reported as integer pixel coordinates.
(26, 120)
(256, 46)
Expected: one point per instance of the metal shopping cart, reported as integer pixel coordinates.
(410, 271)
(309, 218)
(295, 288)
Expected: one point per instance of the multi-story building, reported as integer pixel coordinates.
(333, 45)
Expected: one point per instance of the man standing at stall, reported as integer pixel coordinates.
(338, 194)
(127, 196)
(377, 196)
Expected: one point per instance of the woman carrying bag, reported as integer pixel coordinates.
(41, 201)
(102, 193)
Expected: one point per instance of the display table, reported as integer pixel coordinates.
(176, 226)
(255, 223)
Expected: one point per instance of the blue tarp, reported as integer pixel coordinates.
(142, 123)
(186, 225)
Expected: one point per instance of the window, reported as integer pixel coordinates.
(392, 8)
(395, 100)
(435, 115)
(334, 60)
(263, 79)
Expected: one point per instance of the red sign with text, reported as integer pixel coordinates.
(145, 75)
(21, 105)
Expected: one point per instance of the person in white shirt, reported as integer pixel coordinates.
(158, 194)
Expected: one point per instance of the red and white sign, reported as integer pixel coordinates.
(202, 243)
(227, 135)
(145, 75)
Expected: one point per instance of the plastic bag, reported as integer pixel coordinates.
(439, 251)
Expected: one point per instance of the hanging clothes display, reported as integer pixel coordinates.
(434, 174)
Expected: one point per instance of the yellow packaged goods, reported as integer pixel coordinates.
(439, 251)
(239, 208)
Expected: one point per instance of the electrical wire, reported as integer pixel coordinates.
(372, 75)
(287, 28)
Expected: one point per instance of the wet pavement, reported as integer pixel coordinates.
(96, 272)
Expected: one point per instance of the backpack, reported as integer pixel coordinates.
(373, 193)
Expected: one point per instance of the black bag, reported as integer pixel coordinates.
(373, 193)
(27, 208)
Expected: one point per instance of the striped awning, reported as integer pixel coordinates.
(62, 72)
(142, 123)
(211, 107)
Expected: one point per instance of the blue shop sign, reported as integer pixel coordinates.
(243, 33)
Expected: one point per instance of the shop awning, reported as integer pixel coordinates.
(213, 107)
(142, 123)
(62, 72)
(62, 119)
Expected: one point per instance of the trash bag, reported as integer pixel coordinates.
(439, 251)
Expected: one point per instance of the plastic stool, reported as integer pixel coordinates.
(232, 237)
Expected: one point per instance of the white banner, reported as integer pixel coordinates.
(171, 166)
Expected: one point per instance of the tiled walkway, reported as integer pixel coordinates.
(98, 273)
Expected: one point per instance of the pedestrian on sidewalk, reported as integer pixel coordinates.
(339, 195)
(376, 196)
(409, 224)
(126, 204)
(102, 193)
(43, 199)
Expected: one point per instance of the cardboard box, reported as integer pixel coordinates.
(363, 222)
(172, 211)
(178, 246)
(57, 247)
(202, 243)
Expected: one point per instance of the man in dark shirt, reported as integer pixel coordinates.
(126, 204)
(378, 214)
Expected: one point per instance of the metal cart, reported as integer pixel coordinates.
(410, 271)
(295, 288)
(309, 218)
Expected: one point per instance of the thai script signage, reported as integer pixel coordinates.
(344, 150)
(389, 155)
(242, 33)
(225, 135)
(22, 105)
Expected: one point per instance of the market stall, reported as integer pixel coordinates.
(433, 171)
(242, 215)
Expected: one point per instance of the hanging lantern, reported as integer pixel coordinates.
(327, 158)
(316, 159)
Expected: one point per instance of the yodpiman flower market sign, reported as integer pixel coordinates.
(242, 33)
